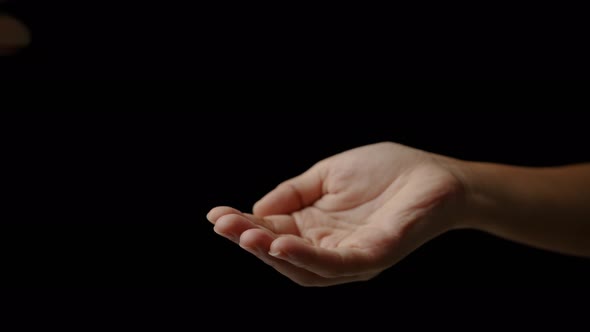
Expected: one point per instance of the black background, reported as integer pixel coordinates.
(106, 209)
(104, 202)
(221, 39)
(119, 199)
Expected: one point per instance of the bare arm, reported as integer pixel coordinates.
(357, 213)
(547, 208)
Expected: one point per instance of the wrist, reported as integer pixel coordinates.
(479, 200)
(484, 198)
(468, 206)
(497, 194)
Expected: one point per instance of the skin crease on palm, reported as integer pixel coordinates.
(349, 217)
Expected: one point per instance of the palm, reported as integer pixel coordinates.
(349, 217)
(354, 212)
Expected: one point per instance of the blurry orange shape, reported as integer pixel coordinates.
(13, 35)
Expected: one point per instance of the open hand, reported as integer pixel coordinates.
(350, 216)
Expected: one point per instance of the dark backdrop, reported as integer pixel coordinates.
(105, 212)
(224, 39)
(119, 199)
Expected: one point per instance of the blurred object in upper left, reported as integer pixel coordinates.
(14, 35)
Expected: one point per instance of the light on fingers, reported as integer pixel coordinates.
(258, 242)
(328, 263)
(232, 226)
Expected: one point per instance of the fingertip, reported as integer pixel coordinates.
(279, 201)
(232, 226)
(223, 230)
(286, 247)
(256, 208)
(277, 248)
(210, 217)
(260, 208)
(291, 195)
(256, 240)
(220, 211)
(247, 240)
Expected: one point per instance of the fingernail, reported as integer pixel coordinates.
(279, 254)
(231, 237)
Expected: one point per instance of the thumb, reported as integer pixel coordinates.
(292, 195)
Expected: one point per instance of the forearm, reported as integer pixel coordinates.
(543, 207)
